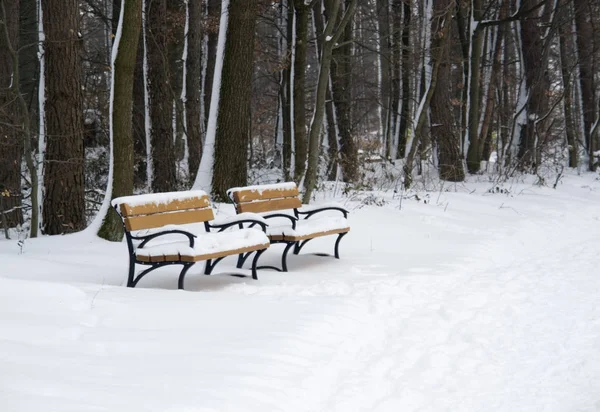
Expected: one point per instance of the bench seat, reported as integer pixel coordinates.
(309, 228)
(206, 246)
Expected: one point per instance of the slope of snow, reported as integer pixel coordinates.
(473, 302)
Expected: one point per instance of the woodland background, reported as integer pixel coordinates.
(310, 91)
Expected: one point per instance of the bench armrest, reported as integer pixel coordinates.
(311, 210)
(147, 238)
(238, 220)
(283, 215)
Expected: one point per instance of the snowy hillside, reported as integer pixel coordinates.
(470, 302)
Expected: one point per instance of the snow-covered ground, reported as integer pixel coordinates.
(471, 302)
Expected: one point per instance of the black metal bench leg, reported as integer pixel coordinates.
(284, 267)
(208, 267)
(255, 262)
(300, 245)
(337, 244)
(186, 267)
(131, 273)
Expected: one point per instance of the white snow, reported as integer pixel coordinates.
(310, 226)
(472, 302)
(261, 188)
(310, 208)
(239, 218)
(204, 175)
(208, 243)
(158, 198)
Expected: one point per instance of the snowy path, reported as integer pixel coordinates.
(484, 304)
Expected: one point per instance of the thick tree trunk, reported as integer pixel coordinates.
(161, 97)
(341, 82)
(140, 178)
(301, 44)
(535, 55)
(64, 203)
(11, 135)
(121, 119)
(233, 121)
(585, 48)
(175, 43)
(566, 53)
(212, 32)
(443, 128)
(286, 97)
(474, 106)
(193, 85)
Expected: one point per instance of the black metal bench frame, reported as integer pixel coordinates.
(132, 279)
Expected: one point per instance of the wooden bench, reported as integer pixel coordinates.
(154, 233)
(270, 200)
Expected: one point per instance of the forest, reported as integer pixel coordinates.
(105, 98)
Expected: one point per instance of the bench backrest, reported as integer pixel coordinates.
(265, 198)
(160, 209)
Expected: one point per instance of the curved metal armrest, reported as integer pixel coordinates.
(148, 238)
(311, 212)
(291, 218)
(239, 223)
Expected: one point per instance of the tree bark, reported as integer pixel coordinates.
(585, 48)
(11, 134)
(193, 86)
(64, 203)
(406, 92)
(386, 91)
(299, 96)
(341, 84)
(330, 38)
(233, 121)
(161, 98)
(212, 30)
(121, 119)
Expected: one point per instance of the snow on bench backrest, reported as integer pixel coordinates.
(160, 209)
(265, 198)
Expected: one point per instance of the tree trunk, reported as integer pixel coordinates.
(406, 92)
(566, 48)
(585, 47)
(140, 178)
(286, 93)
(193, 86)
(385, 87)
(330, 38)
(175, 44)
(233, 122)
(332, 134)
(212, 29)
(64, 203)
(440, 27)
(443, 128)
(161, 98)
(474, 106)
(341, 82)
(11, 137)
(121, 119)
(301, 35)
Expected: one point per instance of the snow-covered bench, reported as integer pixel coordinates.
(154, 233)
(270, 200)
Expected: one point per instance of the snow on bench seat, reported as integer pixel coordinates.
(207, 246)
(309, 228)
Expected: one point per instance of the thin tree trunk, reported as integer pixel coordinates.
(64, 203)
(385, 86)
(406, 92)
(121, 119)
(193, 85)
(286, 93)
(212, 30)
(233, 122)
(330, 38)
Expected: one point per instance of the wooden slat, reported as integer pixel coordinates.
(244, 196)
(175, 205)
(159, 258)
(269, 205)
(173, 218)
(314, 235)
(216, 255)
